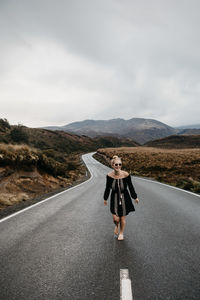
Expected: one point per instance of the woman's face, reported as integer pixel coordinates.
(117, 164)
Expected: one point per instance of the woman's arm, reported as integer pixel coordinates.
(131, 188)
(107, 189)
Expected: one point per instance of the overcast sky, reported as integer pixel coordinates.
(63, 61)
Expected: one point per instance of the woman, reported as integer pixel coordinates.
(121, 203)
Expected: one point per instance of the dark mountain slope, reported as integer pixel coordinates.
(138, 129)
(60, 141)
(176, 141)
(34, 162)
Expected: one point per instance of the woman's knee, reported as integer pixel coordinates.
(123, 220)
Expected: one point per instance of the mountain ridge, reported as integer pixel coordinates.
(139, 129)
(176, 142)
(193, 126)
(35, 162)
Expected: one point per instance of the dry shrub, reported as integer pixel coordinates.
(18, 155)
(7, 199)
(26, 158)
(180, 167)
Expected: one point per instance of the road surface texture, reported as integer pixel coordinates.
(64, 248)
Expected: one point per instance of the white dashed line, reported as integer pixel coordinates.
(125, 285)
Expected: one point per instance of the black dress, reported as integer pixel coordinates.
(120, 202)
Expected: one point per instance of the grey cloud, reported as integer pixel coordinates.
(137, 58)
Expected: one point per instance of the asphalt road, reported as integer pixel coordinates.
(64, 248)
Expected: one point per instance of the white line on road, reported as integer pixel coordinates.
(165, 184)
(38, 203)
(125, 285)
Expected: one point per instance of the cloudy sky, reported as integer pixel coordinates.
(68, 60)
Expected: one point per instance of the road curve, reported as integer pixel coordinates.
(63, 248)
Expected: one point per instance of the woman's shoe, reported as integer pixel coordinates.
(115, 235)
(120, 237)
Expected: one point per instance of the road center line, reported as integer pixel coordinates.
(125, 285)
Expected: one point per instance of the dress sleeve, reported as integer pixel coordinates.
(107, 189)
(131, 188)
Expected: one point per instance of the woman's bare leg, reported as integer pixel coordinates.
(116, 220)
(122, 227)
(122, 224)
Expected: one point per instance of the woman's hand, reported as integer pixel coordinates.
(105, 202)
(136, 200)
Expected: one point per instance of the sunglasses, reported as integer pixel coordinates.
(116, 165)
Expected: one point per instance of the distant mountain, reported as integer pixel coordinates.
(189, 131)
(36, 161)
(176, 141)
(60, 141)
(138, 129)
(194, 126)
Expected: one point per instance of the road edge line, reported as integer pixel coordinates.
(155, 181)
(47, 199)
(168, 185)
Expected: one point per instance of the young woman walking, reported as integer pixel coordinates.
(120, 203)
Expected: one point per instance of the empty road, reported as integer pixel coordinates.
(64, 248)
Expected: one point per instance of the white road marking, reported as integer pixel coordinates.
(92, 175)
(38, 203)
(165, 184)
(125, 285)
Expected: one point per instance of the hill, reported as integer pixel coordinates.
(36, 161)
(27, 173)
(138, 129)
(193, 126)
(60, 141)
(189, 131)
(176, 142)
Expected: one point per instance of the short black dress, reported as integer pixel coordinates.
(120, 201)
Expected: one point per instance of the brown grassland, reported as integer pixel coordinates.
(27, 172)
(35, 162)
(178, 167)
